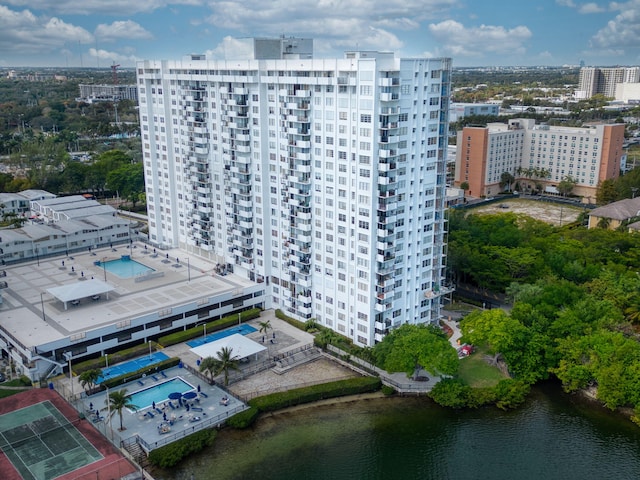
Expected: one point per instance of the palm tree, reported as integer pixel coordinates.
(265, 326)
(119, 400)
(215, 366)
(89, 378)
(209, 365)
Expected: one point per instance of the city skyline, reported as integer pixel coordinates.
(95, 34)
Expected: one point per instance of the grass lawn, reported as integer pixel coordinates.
(475, 372)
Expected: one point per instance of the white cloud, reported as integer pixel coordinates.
(365, 23)
(235, 48)
(121, 30)
(622, 31)
(591, 7)
(111, 7)
(566, 3)
(23, 32)
(116, 57)
(458, 40)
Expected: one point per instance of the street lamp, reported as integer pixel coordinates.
(104, 269)
(149, 350)
(68, 356)
(42, 304)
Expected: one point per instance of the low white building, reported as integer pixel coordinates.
(67, 236)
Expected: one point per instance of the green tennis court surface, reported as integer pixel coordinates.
(42, 444)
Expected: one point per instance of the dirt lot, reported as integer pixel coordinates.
(553, 213)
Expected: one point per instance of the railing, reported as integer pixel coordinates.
(201, 425)
(259, 393)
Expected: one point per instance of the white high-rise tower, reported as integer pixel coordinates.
(322, 178)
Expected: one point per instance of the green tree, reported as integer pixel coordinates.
(506, 180)
(224, 361)
(88, 379)
(264, 327)
(565, 187)
(128, 180)
(410, 347)
(118, 401)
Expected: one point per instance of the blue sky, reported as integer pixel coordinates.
(95, 33)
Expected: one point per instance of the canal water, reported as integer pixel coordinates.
(554, 436)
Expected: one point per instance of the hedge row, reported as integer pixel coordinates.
(351, 386)
(291, 321)
(173, 453)
(214, 326)
(150, 370)
(117, 357)
(243, 419)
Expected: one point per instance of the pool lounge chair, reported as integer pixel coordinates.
(204, 395)
(141, 383)
(150, 415)
(163, 374)
(158, 410)
(196, 409)
(172, 406)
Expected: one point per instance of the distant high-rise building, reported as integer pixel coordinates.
(594, 80)
(107, 93)
(538, 156)
(322, 178)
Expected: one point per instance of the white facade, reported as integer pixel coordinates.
(322, 178)
(458, 111)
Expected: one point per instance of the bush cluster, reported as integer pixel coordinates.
(173, 453)
(244, 419)
(291, 321)
(351, 386)
(506, 394)
(214, 326)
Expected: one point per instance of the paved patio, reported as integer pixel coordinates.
(183, 422)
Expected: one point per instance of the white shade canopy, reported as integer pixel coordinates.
(241, 347)
(78, 290)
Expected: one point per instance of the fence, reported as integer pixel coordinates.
(366, 368)
(210, 421)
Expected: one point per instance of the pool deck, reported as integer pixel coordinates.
(287, 338)
(147, 428)
(177, 283)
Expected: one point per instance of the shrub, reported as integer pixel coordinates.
(173, 453)
(313, 393)
(244, 419)
(193, 332)
(387, 390)
(511, 393)
(451, 392)
(291, 321)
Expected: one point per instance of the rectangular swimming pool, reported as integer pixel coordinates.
(124, 267)
(243, 329)
(159, 392)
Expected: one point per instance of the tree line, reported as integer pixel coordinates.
(576, 301)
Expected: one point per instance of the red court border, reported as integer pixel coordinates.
(113, 465)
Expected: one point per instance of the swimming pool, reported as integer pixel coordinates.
(243, 329)
(131, 366)
(124, 267)
(159, 392)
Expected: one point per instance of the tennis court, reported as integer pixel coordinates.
(42, 444)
